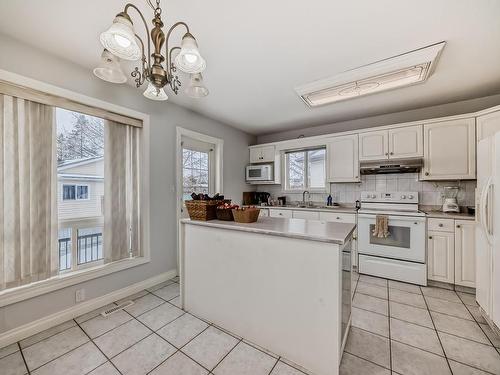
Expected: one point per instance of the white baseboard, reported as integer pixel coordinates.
(72, 312)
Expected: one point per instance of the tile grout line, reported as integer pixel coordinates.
(389, 324)
(437, 334)
(275, 364)
(98, 348)
(24, 359)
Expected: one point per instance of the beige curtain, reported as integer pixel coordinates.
(28, 192)
(121, 191)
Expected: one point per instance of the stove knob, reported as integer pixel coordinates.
(410, 196)
(403, 196)
(373, 196)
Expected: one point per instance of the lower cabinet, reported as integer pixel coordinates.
(451, 251)
(441, 256)
(273, 212)
(308, 215)
(465, 257)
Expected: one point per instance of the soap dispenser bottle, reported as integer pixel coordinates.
(329, 200)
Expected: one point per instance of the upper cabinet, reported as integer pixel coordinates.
(262, 154)
(406, 142)
(374, 145)
(487, 125)
(450, 150)
(343, 161)
(397, 143)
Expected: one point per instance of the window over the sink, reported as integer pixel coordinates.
(305, 169)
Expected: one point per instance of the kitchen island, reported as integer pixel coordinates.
(283, 284)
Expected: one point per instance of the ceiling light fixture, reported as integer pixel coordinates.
(395, 72)
(121, 40)
(109, 69)
(196, 88)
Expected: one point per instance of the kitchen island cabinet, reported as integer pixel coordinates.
(283, 284)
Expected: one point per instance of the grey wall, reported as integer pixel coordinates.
(449, 109)
(30, 62)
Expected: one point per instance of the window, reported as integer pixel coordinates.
(197, 168)
(69, 183)
(80, 160)
(75, 192)
(305, 169)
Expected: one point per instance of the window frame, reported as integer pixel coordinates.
(211, 163)
(72, 98)
(306, 151)
(76, 186)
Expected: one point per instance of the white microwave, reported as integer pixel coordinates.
(259, 173)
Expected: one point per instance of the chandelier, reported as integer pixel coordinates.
(121, 41)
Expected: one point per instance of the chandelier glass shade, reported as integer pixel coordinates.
(197, 88)
(155, 56)
(154, 93)
(109, 69)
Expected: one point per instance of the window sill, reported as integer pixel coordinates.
(21, 293)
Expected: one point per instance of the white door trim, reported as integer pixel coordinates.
(218, 157)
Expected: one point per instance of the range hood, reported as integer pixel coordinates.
(391, 166)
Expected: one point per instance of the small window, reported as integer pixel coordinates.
(306, 169)
(82, 192)
(75, 192)
(69, 192)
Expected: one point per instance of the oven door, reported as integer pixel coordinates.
(406, 240)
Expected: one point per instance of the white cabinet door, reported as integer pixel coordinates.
(374, 145)
(487, 125)
(264, 212)
(273, 212)
(450, 150)
(441, 257)
(337, 217)
(343, 159)
(406, 142)
(267, 154)
(308, 215)
(264, 154)
(255, 155)
(465, 254)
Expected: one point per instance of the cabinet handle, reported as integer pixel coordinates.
(458, 226)
(440, 224)
(386, 154)
(392, 153)
(426, 173)
(338, 218)
(430, 237)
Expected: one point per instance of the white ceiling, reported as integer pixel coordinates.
(258, 51)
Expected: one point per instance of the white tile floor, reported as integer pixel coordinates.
(397, 329)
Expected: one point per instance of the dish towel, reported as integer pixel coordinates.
(381, 229)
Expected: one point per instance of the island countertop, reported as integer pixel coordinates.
(313, 230)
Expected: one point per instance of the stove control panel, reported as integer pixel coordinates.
(390, 197)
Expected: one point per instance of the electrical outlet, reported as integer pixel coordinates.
(80, 295)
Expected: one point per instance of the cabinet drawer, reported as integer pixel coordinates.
(338, 217)
(308, 215)
(441, 225)
(280, 213)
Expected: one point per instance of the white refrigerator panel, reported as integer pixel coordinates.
(493, 224)
(483, 249)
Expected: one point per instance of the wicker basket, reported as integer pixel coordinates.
(224, 214)
(202, 210)
(250, 215)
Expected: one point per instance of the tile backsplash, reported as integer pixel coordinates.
(430, 192)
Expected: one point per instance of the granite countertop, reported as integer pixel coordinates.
(342, 208)
(313, 230)
(435, 212)
(449, 215)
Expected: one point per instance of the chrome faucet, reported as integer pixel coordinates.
(304, 197)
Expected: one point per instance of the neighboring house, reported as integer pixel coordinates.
(80, 188)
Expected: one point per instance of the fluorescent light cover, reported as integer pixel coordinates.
(395, 72)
